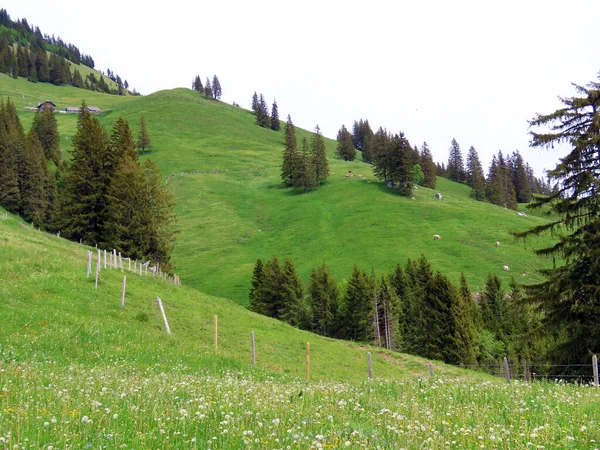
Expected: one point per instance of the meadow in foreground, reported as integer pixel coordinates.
(51, 407)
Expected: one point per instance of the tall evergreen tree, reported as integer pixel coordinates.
(84, 188)
(520, 178)
(255, 297)
(400, 171)
(216, 88)
(262, 115)
(455, 168)
(356, 311)
(143, 142)
(494, 190)
(570, 295)
(428, 167)
(389, 316)
(292, 293)
(290, 153)
(462, 311)
(367, 143)
(345, 149)
(303, 174)
(509, 196)
(319, 156)
(10, 157)
(255, 104)
(161, 231)
(323, 301)
(381, 155)
(208, 89)
(270, 293)
(197, 84)
(475, 176)
(275, 125)
(34, 198)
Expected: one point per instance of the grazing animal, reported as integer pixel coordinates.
(506, 268)
(368, 181)
(522, 214)
(438, 195)
(347, 175)
(497, 244)
(436, 237)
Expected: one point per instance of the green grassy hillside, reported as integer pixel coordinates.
(224, 173)
(51, 312)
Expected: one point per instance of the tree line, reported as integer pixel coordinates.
(509, 181)
(261, 110)
(304, 169)
(26, 53)
(105, 196)
(213, 90)
(412, 309)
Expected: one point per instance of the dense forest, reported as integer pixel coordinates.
(25, 52)
(105, 196)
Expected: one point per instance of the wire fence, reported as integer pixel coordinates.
(525, 371)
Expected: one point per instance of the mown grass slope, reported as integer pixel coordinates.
(223, 171)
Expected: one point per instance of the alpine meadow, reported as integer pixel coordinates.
(181, 272)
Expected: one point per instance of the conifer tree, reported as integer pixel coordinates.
(381, 153)
(508, 189)
(389, 315)
(428, 167)
(455, 168)
(323, 301)
(290, 153)
(197, 84)
(569, 296)
(275, 125)
(398, 283)
(271, 293)
(520, 178)
(345, 149)
(216, 88)
(319, 156)
(303, 175)
(356, 310)
(10, 157)
(494, 307)
(34, 197)
(475, 177)
(255, 104)
(158, 204)
(208, 89)
(292, 293)
(262, 116)
(367, 144)
(46, 128)
(462, 311)
(143, 142)
(255, 295)
(126, 220)
(400, 171)
(84, 188)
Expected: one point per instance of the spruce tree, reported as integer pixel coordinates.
(161, 229)
(34, 197)
(255, 104)
(126, 220)
(509, 199)
(143, 142)
(428, 167)
(356, 309)
(367, 144)
(323, 294)
(271, 292)
(290, 153)
(455, 168)
(275, 125)
(46, 128)
(262, 116)
(400, 171)
(390, 315)
(216, 88)
(10, 157)
(208, 89)
(570, 294)
(345, 149)
(475, 177)
(520, 178)
(303, 175)
(292, 293)
(462, 311)
(319, 156)
(381, 155)
(494, 190)
(84, 188)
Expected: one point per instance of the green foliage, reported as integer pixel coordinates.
(428, 167)
(345, 148)
(319, 156)
(570, 295)
(11, 142)
(275, 125)
(143, 142)
(290, 153)
(357, 309)
(417, 174)
(455, 168)
(46, 128)
(475, 178)
(216, 88)
(323, 294)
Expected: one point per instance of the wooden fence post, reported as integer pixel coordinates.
(216, 332)
(162, 311)
(253, 348)
(89, 264)
(370, 359)
(123, 291)
(307, 361)
(97, 272)
(595, 369)
(120, 261)
(506, 370)
(430, 369)
(129, 264)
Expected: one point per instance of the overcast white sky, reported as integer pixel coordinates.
(435, 69)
